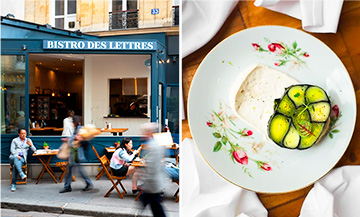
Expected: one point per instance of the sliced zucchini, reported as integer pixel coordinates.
(278, 128)
(320, 111)
(307, 142)
(292, 138)
(300, 117)
(286, 106)
(315, 94)
(297, 94)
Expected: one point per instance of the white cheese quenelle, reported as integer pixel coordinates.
(256, 90)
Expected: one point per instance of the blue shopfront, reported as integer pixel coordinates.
(120, 81)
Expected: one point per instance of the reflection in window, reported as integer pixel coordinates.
(129, 97)
(12, 93)
(172, 108)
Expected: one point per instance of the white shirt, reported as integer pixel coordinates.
(68, 127)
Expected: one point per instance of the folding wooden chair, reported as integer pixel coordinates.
(24, 168)
(112, 178)
(107, 164)
(64, 166)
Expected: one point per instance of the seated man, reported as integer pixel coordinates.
(18, 155)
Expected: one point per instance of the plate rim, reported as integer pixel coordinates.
(348, 77)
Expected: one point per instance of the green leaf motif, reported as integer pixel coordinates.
(224, 140)
(297, 95)
(294, 45)
(335, 131)
(217, 146)
(217, 135)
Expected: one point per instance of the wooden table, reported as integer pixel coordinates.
(344, 43)
(48, 130)
(42, 154)
(114, 131)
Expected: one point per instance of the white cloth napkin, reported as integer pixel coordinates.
(201, 20)
(316, 15)
(335, 195)
(205, 194)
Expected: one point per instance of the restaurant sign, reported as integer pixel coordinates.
(99, 45)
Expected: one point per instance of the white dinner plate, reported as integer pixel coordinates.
(267, 167)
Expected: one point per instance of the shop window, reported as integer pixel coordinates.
(65, 14)
(172, 107)
(129, 97)
(12, 93)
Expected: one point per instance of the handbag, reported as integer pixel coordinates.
(64, 151)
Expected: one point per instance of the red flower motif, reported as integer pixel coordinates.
(246, 133)
(277, 64)
(276, 48)
(306, 54)
(241, 156)
(335, 111)
(265, 166)
(256, 46)
(210, 124)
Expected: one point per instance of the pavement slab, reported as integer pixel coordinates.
(45, 198)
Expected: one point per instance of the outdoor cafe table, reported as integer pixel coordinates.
(42, 154)
(114, 131)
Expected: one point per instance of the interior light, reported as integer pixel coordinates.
(168, 61)
(68, 94)
(60, 59)
(53, 94)
(73, 64)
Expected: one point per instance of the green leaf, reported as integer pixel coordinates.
(217, 146)
(294, 45)
(224, 140)
(335, 131)
(299, 49)
(217, 135)
(297, 95)
(331, 135)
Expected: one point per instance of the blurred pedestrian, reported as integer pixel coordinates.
(77, 156)
(18, 155)
(120, 160)
(153, 174)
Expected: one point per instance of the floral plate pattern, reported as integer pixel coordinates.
(235, 150)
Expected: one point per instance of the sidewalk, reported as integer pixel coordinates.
(45, 197)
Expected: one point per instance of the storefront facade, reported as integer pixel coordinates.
(117, 79)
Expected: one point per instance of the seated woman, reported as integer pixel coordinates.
(119, 162)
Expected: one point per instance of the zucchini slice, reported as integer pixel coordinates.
(307, 142)
(315, 94)
(297, 94)
(286, 106)
(292, 138)
(278, 127)
(300, 117)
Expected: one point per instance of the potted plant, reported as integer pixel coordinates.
(117, 143)
(46, 146)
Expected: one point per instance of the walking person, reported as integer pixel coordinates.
(18, 155)
(120, 160)
(77, 156)
(154, 180)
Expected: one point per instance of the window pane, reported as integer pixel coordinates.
(172, 107)
(12, 93)
(117, 5)
(131, 5)
(128, 97)
(72, 7)
(59, 23)
(59, 7)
